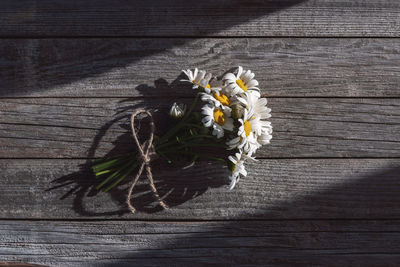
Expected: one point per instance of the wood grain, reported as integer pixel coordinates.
(333, 67)
(16, 264)
(94, 127)
(277, 243)
(205, 18)
(324, 193)
(274, 189)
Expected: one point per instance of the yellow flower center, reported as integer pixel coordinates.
(233, 167)
(247, 127)
(241, 84)
(219, 117)
(198, 83)
(222, 98)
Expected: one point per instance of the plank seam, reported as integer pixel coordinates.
(195, 37)
(194, 221)
(258, 158)
(189, 97)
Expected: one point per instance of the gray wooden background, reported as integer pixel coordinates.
(326, 192)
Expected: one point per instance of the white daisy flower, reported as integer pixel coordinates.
(198, 78)
(217, 118)
(259, 105)
(266, 133)
(217, 98)
(241, 82)
(248, 145)
(238, 169)
(265, 137)
(249, 130)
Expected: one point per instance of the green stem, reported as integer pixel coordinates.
(199, 136)
(109, 164)
(119, 167)
(184, 140)
(185, 145)
(191, 107)
(111, 186)
(205, 145)
(115, 174)
(167, 144)
(194, 125)
(164, 156)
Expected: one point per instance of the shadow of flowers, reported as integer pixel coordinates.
(175, 183)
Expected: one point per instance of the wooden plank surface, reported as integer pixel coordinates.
(200, 18)
(277, 243)
(94, 127)
(274, 189)
(324, 193)
(333, 67)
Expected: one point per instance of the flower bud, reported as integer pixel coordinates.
(177, 110)
(237, 111)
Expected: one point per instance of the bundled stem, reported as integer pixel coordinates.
(181, 140)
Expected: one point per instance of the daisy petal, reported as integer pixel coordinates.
(252, 83)
(240, 71)
(229, 76)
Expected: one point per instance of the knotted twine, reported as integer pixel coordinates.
(146, 150)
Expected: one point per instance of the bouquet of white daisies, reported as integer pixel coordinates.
(232, 116)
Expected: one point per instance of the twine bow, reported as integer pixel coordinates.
(146, 150)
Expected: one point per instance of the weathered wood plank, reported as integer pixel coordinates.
(17, 264)
(92, 127)
(129, 67)
(272, 243)
(200, 18)
(274, 189)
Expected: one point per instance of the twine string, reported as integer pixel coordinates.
(146, 150)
